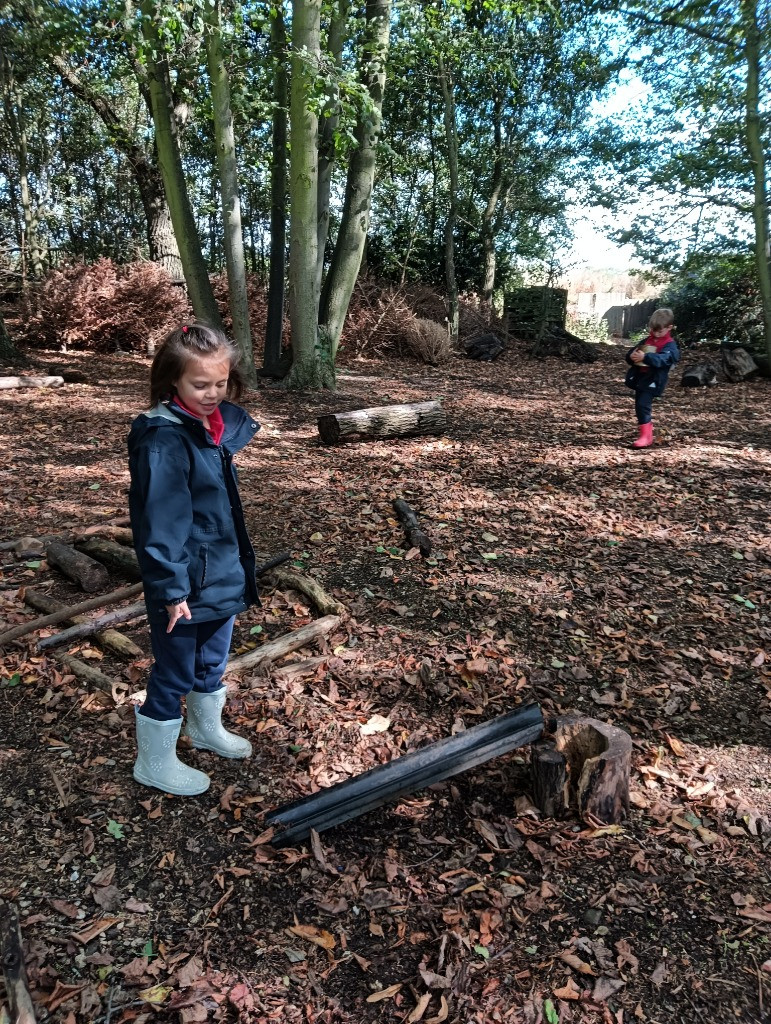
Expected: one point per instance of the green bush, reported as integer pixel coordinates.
(718, 302)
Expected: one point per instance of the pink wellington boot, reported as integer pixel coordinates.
(644, 437)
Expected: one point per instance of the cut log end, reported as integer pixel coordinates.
(595, 782)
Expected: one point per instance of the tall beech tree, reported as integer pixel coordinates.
(170, 160)
(231, 202)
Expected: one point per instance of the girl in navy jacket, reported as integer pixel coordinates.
(197, 563)
(649, 366)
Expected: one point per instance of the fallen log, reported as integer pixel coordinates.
(67, 613)
(413, 771)
(115, 556)
(485, 347)
(306, 585)
(120, 534)
(87, 673)
(299, 668)
(14, 970)
(703, 375)
(556, 341)
(90, 626)
(415, 536)
(549, 770)
(107, 638)
(10, 383)
(596, 757)
(383, 421)
(274, 649)
(89, 574)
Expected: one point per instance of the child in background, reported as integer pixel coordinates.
(649, 366)
(197, 564)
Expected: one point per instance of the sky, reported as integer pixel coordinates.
(591, 248)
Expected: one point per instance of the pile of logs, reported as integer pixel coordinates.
(85, 559)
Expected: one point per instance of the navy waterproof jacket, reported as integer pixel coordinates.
(186, 514)
(654, 379)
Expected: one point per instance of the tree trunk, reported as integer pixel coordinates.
(352, 235)
(313, 365)
(231, 203)
(14, 111)
(274, 327)
(451, 139)
(383, 421)
(162, 244)
(489, 219)
(757, 159)
(185, 229)
(9, 354)
(330, 118)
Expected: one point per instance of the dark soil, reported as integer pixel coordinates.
(569, 569)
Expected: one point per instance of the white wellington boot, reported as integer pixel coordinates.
(157, 763)
(205, 728)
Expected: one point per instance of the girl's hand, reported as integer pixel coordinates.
(177, 612)
(637, 356)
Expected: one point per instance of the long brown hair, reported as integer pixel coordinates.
(191, 341)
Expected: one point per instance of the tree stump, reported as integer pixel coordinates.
(738, 364)
(383, 421)
(89, 575)
(596, 758)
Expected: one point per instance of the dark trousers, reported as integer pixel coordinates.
(192, 656)
(643, 404)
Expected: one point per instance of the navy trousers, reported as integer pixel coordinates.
(643, 405)
(192, 656)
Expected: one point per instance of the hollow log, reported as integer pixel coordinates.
(406, 774)
(274, 649)
(415, 536)
(90, 626)
(10, 383)
(67, 613)
(703, 375)
(14, 971)
(383, 421)
(597, 759)
(115, 556)
(107, 638)
(89, 574)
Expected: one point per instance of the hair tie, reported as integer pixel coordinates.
(185, 329)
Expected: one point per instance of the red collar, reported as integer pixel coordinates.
(659, 342)
(216, 426)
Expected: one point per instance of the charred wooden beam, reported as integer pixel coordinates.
(413, 771)
(383, 421)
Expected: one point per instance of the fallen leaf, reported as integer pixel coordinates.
(377, 723)
(659, 976)
(420, 1008)
(385, 993)
(444, 1011)
(606, 987)
(576, 963)
(90, 933)
(155, 995)
(310, 933)
(569, 991)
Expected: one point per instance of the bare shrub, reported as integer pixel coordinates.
(429, 341)
(104, 307)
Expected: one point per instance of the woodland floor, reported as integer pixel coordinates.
(570, 570)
